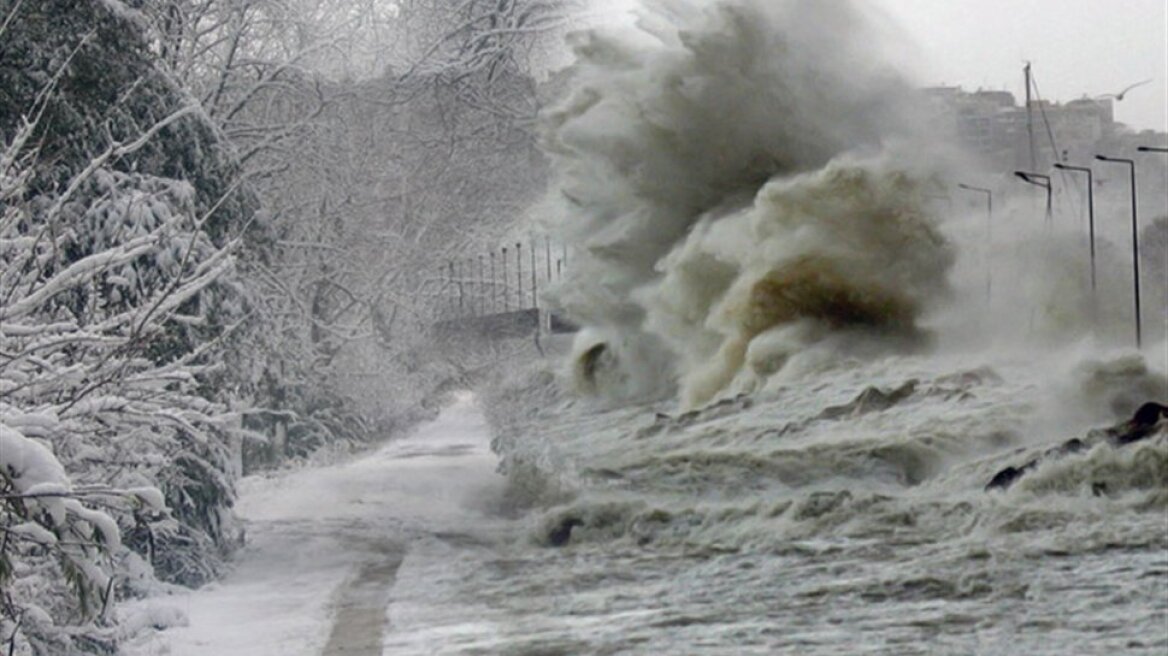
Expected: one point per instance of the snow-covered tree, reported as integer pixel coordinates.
(384, 138)
(101, 405)
(209, 210)
(121, 368)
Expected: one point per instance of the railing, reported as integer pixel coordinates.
(496, 294)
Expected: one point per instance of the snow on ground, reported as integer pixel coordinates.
(325, 545)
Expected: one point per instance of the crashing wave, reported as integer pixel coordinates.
(735, 180)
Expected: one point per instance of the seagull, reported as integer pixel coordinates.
(1119, 96)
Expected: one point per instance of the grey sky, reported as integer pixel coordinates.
(1077, 47)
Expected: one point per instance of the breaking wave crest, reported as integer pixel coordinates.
(737, 181)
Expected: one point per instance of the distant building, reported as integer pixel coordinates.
(992, 126)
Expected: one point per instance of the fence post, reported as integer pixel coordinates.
(534, 285)
(506, 301)
(461, 300)
(441, 289)
(450, 281)
(494, 292)
(519, 276)
(468, 281)
(547, 248)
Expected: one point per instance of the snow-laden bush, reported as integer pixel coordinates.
(114, 303)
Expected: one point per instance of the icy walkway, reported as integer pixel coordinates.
(325, 546)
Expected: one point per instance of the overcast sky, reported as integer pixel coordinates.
(1077, 47)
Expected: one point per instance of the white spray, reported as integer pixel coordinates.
(737, 180)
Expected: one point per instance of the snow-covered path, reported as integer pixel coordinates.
(325, 546)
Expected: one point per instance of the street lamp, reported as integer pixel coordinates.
(989, 234)
(1090, 216)
(1151, 149)
(1135, 237)
(1038, 180)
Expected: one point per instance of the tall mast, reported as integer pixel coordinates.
(1030, 120)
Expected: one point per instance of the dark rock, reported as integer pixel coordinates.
(1007, 476)
(1149, 419)
(872, 399)
(723, 408)
(1143, 424)
(562, 533)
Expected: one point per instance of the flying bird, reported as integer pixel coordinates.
(1119, 96)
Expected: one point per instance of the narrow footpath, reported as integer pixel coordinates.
(325, 546)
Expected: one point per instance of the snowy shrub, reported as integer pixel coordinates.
(115, 305)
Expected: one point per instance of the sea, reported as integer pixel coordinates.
(803, 357)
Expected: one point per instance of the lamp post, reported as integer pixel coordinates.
(1151, 149)
(989, 194)
(1038, 180)
(1090, 216)
(1135, 238)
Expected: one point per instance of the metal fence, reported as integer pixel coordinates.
(497, 293)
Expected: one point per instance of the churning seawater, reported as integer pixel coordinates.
(794, 381)
(842, 514)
